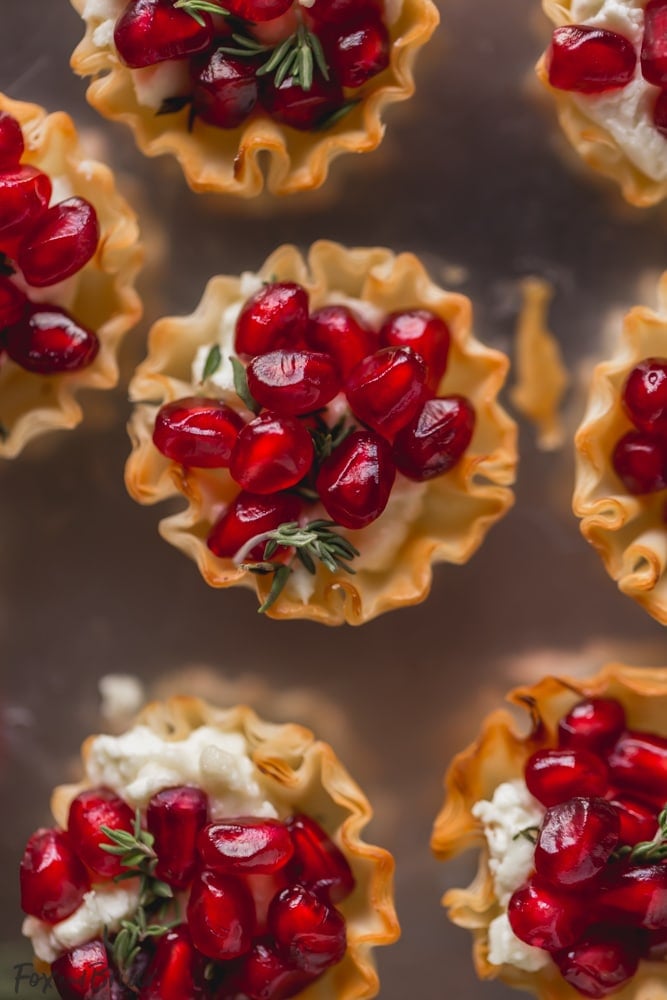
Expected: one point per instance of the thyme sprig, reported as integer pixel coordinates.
(198, 7)
(326, 439)
(315, 542)
(646, 852)
(529, 833)
(296, 56)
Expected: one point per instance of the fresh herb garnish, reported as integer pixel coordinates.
(198, 7)
(646, 852)
(241, 386)
(326, 439)
(529, 833)
(296, 56)
(337, 115)
(213, 362)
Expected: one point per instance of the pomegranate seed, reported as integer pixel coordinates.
(59, 243)
(220, 916)
(275, 316)
(576, 840)
(318, 863)
(264, 889)
(644, 395)
(12, 302)
(637, 821)
(654, 43)
(355, 482)
(176, 971)
(543, 917)
(225, 89)
(258, 10)
(53, 879)
(336, 331)
(436, 439)
(307, 931)
(589, 60)
(638, 763)
(553, 776)
(600, 964)
(272, 453)
(25, 193)
(48, 341)
(342, 11)
(249, 515)
(640, 462)
(175, 817)
(660, 113)
(153, 31)
(301, 109)
(637, 895)
(359, 49)
(264, 975)
(592, 724)
(12, 145)
(386, 390)
(240, 846)
(90, 810)
(197, 432)
(83, 973)
(426, 334)
(293, 382)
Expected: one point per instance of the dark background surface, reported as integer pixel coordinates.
(471, 175)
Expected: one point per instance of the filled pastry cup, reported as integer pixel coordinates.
(442, 519)
(627, 529)
(612, 131)
(230, 159)
(499, 756)
(100, 296)
(254, 771)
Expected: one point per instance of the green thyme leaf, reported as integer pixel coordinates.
(213, 362)
(198, 7)
(337, 115)
(529, 833)
(241, 386)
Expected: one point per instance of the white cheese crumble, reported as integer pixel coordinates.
(223, 378)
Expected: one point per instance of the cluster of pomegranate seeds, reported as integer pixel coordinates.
(294, 62)
(46, 245)
(258, 919)
(640, 456)
(597, 900)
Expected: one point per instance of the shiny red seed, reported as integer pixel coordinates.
(644, 395)
(336, 331)
(427, 334)
(272, 453)
(341, 12)
(592, 724)
(436, 439)
(640, 462)
(638, 763)
(545, 917)
(275, 316)
(387, 389)
(660, 113)
(153, 31)
(636, 896)
(48, 341)
(293, 382)
(12, 302)
(176, 971)
(245, 846)
(355, 482)
(175, 816)
(84, 973)
(307, 931)
(59, 243)
(575, 842)
(359, 49)
(301, 109)
(654, 43)
(225, 89)
(25, 193)
(249, 515)
(264, 889)
(600, 964)
(265, 975)
(257, 10)
(88, 812)
(12, 145)
(318, 862)
(589, 60)
(197, 432)
(553, 776)
(638, 822)
(221, 916)
(53, 879)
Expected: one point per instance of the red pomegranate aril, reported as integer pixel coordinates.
(59, 243)
(265, 975)
(153, 31)
(12, 303)
(197, 432)
(318, 863)
(553, 776)
(644, 395)
(264, 889)
(358, 50)
(543, 917)
(638, 822)
(636, 896)
(654, 43)
(249, 515)
(53, 879)
(48, 341)
(12, 145)
(257, 10)
(245, 846)
(640, 462)
(589, 60)
(592, 724)
(336, 331)
(175, 816)
(427, 334)
(600, 964)
(638, 763)
(89, 811)
(271, 453)
(176, 971)
(275, 316)
(575, 842)
(293, 382)
(83, 973)
(354, 483)
(221, 916)
(225, 89)
(301, 109)
(436, 439)
(341, 12)
(660, 113)
(387, 389)
(307, 931)
(25, 193)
